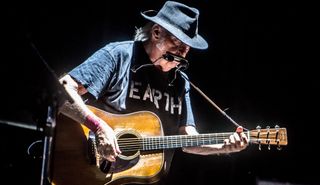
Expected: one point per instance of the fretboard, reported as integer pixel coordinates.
(178, 141)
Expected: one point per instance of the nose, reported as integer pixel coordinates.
(183, 50)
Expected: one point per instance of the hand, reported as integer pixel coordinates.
(236, 142)
(106, 140)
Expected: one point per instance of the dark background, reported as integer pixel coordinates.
(257, 65)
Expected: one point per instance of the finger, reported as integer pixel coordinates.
(111, 158)
(107, 151)
(107, 154)
(237, 144)
(237, 137)
(104, 155)
(239, 129)
(231, 138)
(226, 142)
(117, 146)
(113, 150)
(226, 145)
(244, 137)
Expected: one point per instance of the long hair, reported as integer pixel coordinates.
(143, 33)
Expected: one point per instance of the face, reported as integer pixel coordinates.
(164, 41)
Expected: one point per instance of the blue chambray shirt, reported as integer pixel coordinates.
(106, 75)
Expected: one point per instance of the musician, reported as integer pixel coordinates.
(144, 74)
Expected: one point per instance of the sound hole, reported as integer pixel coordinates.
(129, 144)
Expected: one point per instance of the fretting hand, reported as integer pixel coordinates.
(236, 142)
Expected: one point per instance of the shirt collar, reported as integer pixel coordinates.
(140, 57)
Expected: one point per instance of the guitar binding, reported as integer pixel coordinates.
(92, 149)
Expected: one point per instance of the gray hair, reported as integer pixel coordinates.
(143, 33)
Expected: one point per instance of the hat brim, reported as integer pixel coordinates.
(197, 41)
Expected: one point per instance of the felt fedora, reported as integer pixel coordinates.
(181, 21)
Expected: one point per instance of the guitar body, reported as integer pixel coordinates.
(71, 165)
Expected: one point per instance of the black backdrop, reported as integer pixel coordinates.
(255, 66)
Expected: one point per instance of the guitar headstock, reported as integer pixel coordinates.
(269, 136)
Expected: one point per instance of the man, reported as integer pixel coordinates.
(144, 74)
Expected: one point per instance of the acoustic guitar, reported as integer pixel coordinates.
(142, 142)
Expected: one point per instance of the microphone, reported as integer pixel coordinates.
(184, 64)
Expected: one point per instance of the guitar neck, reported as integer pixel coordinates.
(275, 136)
(178, 141)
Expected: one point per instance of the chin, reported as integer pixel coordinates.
(166, 69)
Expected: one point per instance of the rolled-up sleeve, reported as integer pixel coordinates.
(95, 73)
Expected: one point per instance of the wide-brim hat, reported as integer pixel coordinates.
(181, 21)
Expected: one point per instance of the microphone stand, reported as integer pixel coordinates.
(49, 131)
(58, 96)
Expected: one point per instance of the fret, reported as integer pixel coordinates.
(167, 142)
(143, 144)
(153, 145)
(198, 141)
(157, 143)
(180, 144)
(146, 143)
(170, 143)
(174, 142)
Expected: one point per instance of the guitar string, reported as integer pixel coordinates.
(155, 147)
(167, 140)
(177, 145)
(188, 137)
(150, 141)
(142, 143)
(162, 142)
(155, 143)
(179, 141)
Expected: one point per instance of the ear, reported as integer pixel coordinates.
(156, 31)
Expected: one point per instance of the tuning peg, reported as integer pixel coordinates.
(267, 137)
(258, 136)
(278, 141)
(277, 135)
